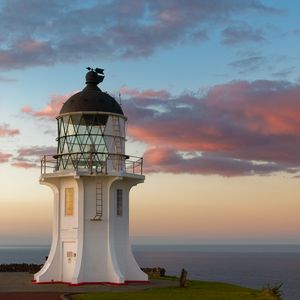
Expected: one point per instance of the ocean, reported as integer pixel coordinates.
(252, 266)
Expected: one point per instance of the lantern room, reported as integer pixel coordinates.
(91, 133)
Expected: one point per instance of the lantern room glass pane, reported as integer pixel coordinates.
(90, 141)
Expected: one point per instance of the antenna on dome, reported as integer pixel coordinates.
(120, 99)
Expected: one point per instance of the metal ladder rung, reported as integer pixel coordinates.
(99, 202)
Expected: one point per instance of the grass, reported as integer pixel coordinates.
(195, 290)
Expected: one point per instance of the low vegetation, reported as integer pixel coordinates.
(194, 290)
(31, 268)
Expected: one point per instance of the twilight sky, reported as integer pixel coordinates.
(212, 94)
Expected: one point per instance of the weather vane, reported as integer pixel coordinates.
(99, 71)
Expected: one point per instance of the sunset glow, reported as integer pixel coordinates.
(212, 96)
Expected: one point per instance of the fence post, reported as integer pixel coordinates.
(182, 280)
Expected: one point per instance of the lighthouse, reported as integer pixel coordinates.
(91, 177)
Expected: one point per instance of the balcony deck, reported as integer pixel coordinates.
(91, 163)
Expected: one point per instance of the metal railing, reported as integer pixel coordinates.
(92, 163)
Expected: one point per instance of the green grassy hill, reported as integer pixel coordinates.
(195, 290)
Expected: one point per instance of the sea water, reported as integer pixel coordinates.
(252, 266)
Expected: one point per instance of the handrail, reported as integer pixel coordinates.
(93, 162)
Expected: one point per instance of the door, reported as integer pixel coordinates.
(68, 261)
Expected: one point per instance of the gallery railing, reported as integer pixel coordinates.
(92, 162)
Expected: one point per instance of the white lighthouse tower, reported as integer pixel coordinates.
(91, 177)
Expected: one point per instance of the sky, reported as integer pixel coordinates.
(211, 90)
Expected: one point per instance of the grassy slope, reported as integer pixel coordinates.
(195, 290)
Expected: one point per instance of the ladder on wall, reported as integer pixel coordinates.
(99, 202)
(117, 144)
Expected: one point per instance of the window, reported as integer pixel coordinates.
(119, 202)
(69, 201)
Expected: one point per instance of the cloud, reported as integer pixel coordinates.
(51, 110)
(239, 128)
(169, 161)
(297, 31)
(4, 157)
(283, 73)
(27, 52)
(24, 165)
(47, 33)
(5, 131)
(145, 94)
(30, 157)
(7, 79)
(236, 128)
(248, 64)
(242, 33)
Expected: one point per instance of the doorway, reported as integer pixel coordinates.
(68, 261)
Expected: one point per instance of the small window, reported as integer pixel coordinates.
(69, 201)
(119, 202)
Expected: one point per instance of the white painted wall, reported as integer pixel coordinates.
(101, 248)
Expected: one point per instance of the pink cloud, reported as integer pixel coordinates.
(135, 93)
(24, 165)
(51, 110)
(240, 128)
(37, 151)
(4, 157)
(5, 130)
(23, 52)
(32, 46)
(241, 122)
(169, 161)
(27, 109)
(30, 157)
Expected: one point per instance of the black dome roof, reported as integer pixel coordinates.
(91, 98)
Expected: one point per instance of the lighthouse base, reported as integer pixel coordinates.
(85, 251)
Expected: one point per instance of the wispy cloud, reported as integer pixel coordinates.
(242, 33)
(5, 130)
(135, 93)
(7, 79)
(4, 157)
(248, 64)
(30, 157)
(282, 74)
(170, 161)
(35, 33)
(297, 31)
